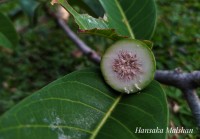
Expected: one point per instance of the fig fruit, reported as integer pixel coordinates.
(128, 66)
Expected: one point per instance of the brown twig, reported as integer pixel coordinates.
(91, 54)
(187, 83)
(79, 43)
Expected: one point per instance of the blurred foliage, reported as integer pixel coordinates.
(177, 36)
(45, 54)
(176, 44)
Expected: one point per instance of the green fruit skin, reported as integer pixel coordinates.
(144, 84)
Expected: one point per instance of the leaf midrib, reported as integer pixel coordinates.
(106, 116)
(125, 20)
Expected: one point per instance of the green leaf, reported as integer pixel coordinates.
(131, 18)
(108, 33)
(8, 30)
(30, 7)
(95, 6)
(92, 7)
(90, 25)
(4, 42)
(117, 17)
(80, 105)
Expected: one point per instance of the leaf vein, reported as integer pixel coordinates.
(106, 116)
(124, 126)
(134, 107)
(145, 4)
(77, 82)
(125, 20)
(132, 4)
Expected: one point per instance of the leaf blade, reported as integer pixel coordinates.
(75, 105)
(139, 16)
(90, 25)
(84, 21)
(8, 30)
(4, 42)
(92, 7)
(120, 23)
